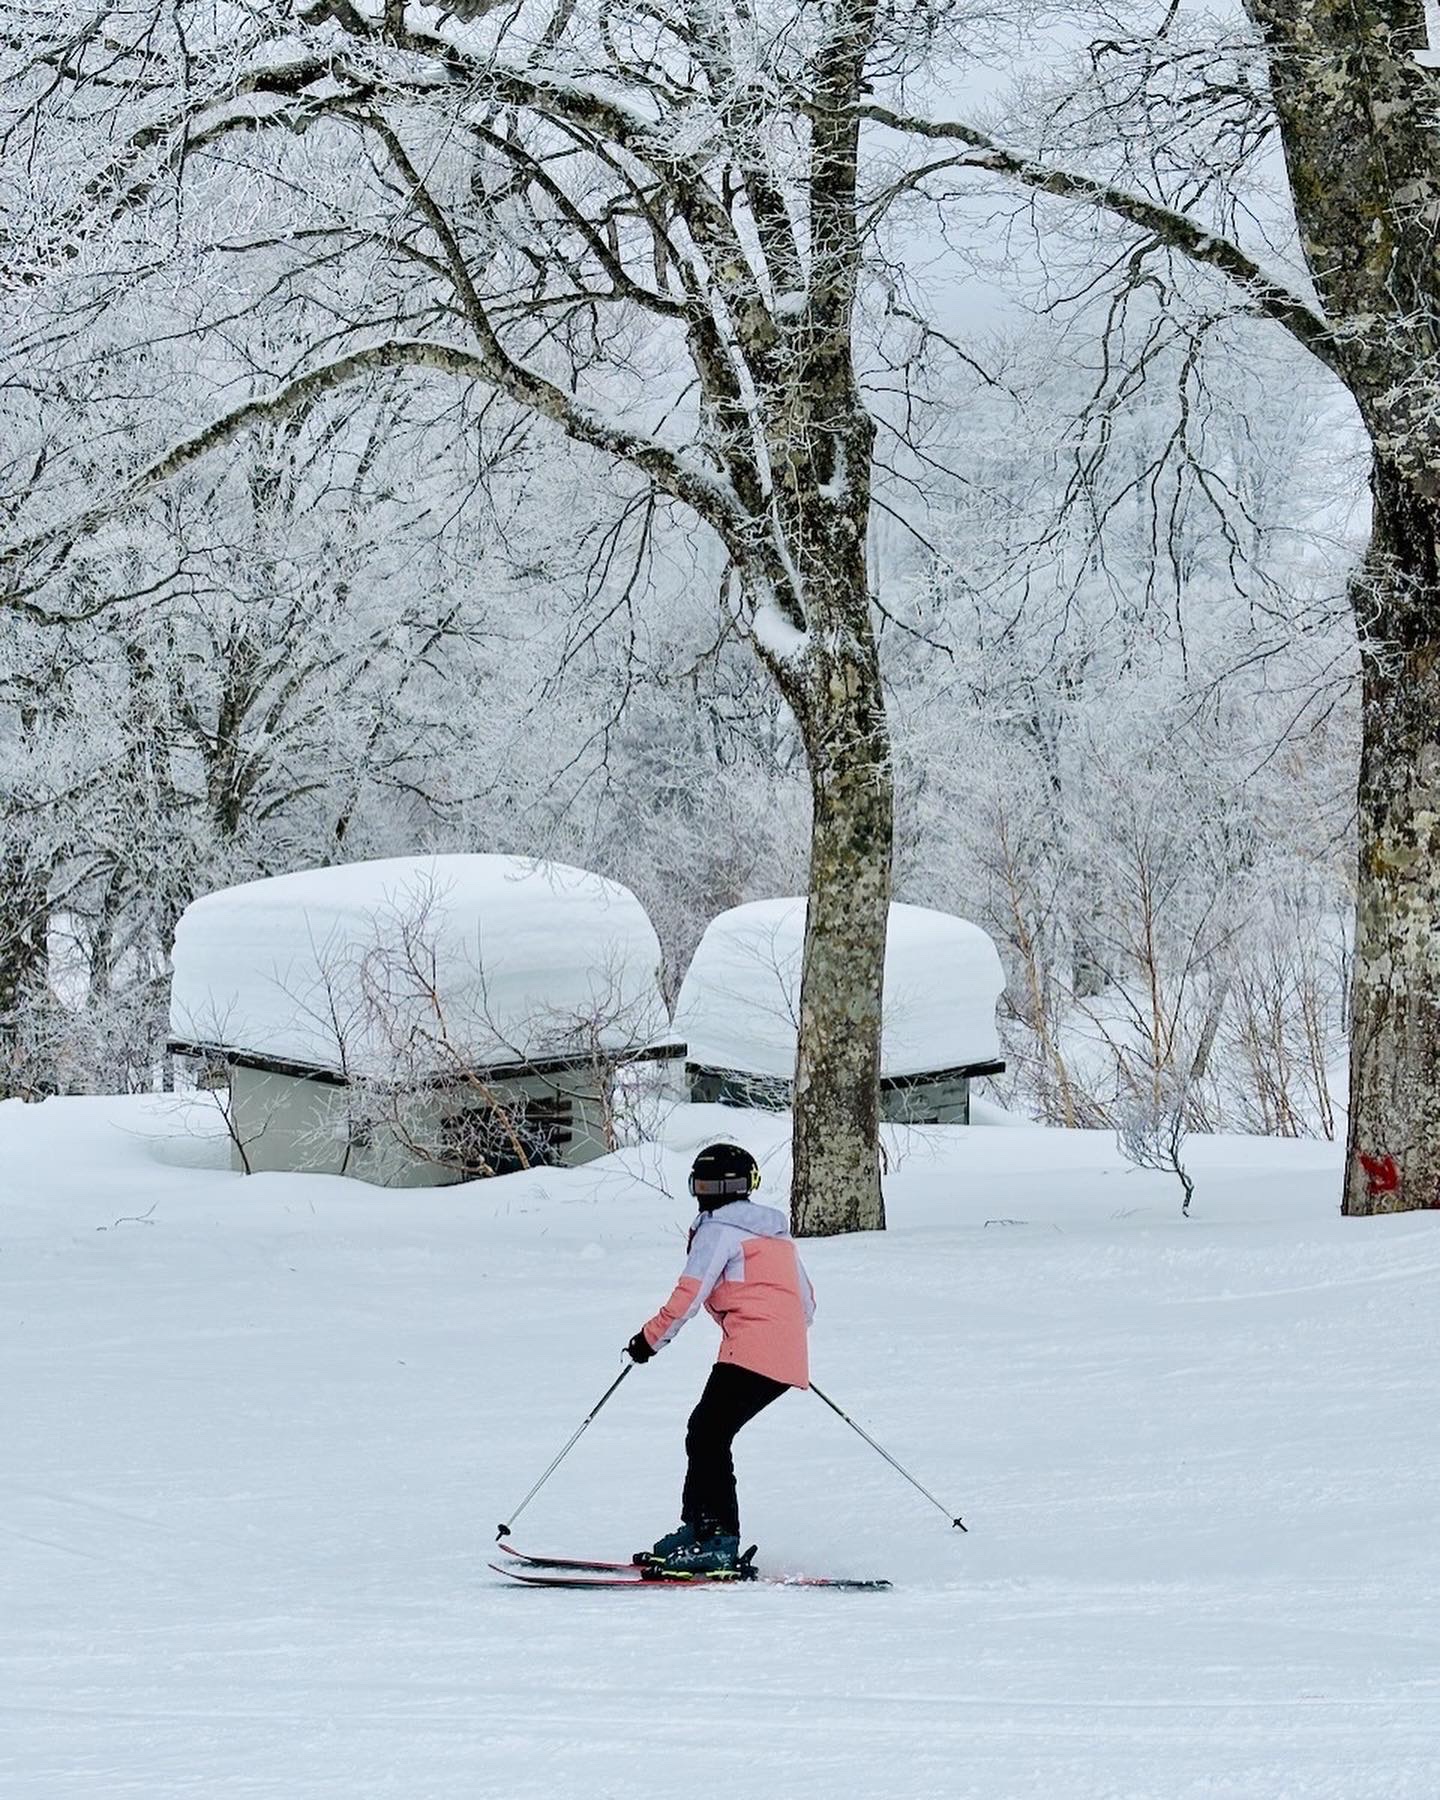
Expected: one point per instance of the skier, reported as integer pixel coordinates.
(744, 1269)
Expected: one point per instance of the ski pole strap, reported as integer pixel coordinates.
(504, 1530)
(882, 1451)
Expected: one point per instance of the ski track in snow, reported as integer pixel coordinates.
(257, 1446)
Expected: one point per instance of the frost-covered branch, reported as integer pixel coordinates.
(1207, 248)
(688, 482)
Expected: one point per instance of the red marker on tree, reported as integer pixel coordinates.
(1381, 1173)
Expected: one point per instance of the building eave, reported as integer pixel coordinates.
(969, 1071)
(540, 1067)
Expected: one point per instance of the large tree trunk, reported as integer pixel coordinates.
(834, 689)
(837, 1066)
(1357, 120)
(24, 924)
(1393, 1160)
(821, 440)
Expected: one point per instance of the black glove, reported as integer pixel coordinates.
(638, 1349)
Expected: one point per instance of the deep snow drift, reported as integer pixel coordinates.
(366, 967)
(740, 999)
(258, 1434)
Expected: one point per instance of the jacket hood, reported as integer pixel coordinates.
(749, 1215)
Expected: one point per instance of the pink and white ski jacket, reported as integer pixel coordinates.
(744, 1269)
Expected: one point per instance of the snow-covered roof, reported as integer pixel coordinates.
(740, 998)
(414, 965)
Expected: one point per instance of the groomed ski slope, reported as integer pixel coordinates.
(257, 1436)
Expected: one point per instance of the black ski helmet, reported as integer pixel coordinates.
(722, 1173)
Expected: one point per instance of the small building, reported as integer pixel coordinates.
(418, 1020)
(740, 1002)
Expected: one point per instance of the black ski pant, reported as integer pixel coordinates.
(732, 1397)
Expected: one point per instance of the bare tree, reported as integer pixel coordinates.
(1150, 1130)
(1141, 794)
(429, 1039)
(1165, 133)
(638, 223)
(647, 227)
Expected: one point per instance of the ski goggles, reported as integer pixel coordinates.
(708, 1187)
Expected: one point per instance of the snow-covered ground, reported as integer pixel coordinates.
(258, 1435)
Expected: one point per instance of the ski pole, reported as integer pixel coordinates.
(504, 1530)
(819, 1395)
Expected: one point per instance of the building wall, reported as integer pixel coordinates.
(296, 1124)
(924, 1102)
(917, 1100)
(728, 1087)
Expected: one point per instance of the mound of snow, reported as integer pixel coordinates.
(412, 965)
(740, 999)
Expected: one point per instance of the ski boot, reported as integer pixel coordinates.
(684, 1537)
(684, 1555)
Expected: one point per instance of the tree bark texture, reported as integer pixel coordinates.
(24, 924)
(837, 1069)
(820, 441)
(1393, 1159)
(841, 711)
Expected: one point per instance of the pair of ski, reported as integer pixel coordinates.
(575, 1572)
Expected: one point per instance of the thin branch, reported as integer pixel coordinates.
(707, 494)
(1270, 297)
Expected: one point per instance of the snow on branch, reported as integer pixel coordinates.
(780, 640)
(1173, 229)
(706, 493)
